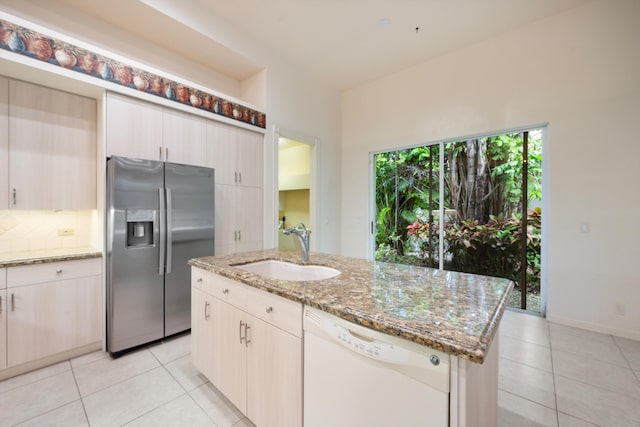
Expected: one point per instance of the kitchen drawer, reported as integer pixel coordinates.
(201, 279)
(3, 278)
(52, 271)
(278, 311)
(235, 293)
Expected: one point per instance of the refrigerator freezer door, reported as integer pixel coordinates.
(135, 299)
(190, 222)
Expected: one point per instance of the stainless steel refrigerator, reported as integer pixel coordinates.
(159, 215)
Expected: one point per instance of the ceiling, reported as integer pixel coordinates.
(345, 42)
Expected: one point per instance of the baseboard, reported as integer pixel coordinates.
(49, 360)
(594, 327)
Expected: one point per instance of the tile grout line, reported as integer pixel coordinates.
(579, 381)
(187, 392)
(527, 399)
(553, 374)
(34, 381)
(636, 374)
(126, 379)
(200, 406)
(42, 379)
(75, 380)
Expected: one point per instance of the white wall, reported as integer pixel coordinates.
(293, 100)
(303, 106)
(580, 72)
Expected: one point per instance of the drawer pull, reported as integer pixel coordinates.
(269, 309)
(240, 332)
(206, 315)
(13, 302)
(199, 280)
(225, 291)
(59, 271)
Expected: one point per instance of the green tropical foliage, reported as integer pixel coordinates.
(483, 206)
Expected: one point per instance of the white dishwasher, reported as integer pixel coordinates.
(357, 377)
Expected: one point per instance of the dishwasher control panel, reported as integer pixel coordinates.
(365, 345)
(327, 335)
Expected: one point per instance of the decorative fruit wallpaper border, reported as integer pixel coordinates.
(27, 42)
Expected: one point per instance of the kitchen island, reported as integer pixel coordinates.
(454, 313)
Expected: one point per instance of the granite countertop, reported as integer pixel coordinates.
(14, 259)
(456, 313)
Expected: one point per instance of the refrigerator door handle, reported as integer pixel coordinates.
(163, 225)
(169, 231)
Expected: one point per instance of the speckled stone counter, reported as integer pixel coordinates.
(456, 313)
(14, 259)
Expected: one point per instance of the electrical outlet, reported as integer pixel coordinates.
(620, 309)
(66, 231)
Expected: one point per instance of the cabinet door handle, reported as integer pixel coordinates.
(239, 177)
(239, 235)
(246, 334)
(160, 153)
(166, 154)
(269, 309)
(0, 304)
(13, 302)
(199, 280)
(59, 271)
(240, 332)
(235, 178)
(206, 315)
(225, 291)
(235, 235)
(15, 197)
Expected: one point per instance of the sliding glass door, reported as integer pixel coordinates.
(471, 205)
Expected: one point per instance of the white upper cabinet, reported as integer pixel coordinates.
(4, 142)
(133, 128)
(221, 151)
(236, 154)
(249, 159)
(52, 148)
(184, 138)
(144, 130)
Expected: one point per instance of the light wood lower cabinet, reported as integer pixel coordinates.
(52, 308)
(3, 319)
(201, 326)
(274, 376)
(230, 353)
(254, 345)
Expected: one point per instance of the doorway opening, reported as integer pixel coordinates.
(294, 188)
(472, 205)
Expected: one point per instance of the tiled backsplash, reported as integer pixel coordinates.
(39, 230)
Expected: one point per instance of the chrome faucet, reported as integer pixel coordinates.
(301, 232)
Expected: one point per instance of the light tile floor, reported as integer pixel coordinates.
(154, 386)
(553, 375)
(550, 375)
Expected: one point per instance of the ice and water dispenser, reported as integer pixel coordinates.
(140, 226)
